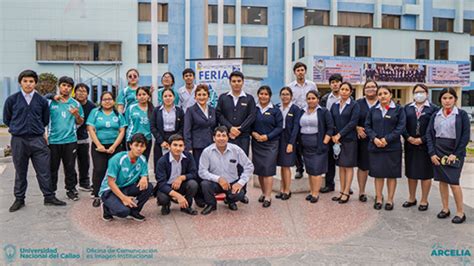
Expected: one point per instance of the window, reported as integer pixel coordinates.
(443, 24)
(422, 49)
(229, 51)
(144, 53)
(144, 12)
(441, 50)
(342, 44)
(472, 63)
(316, 17)
(467, 98)
(229, 14)
(256, 55)
(469, 26)
(363, 46)
(352, 19)
(254, 15)
(293, 52)
(78, 51)
(390, 22)
(301, 47)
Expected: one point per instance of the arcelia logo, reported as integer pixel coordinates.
(9, 252)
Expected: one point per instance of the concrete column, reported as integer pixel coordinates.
(154, 51)
(238, 28)
(187, 31)
(378, 14)
(459, 17)
(288, 39)
(220, 28)
(333, 13)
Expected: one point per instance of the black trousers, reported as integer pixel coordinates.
(210, 189)
(100, 161)
(197, 156)
(66, 153)
(114, 206)
(83, 164)
(157, 151)
(299, 163)
(36, 149)
(243, 142)
(188, 189)
(331, 167)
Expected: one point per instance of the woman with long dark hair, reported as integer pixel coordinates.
(128, 96)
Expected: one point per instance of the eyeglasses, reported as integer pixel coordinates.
(132, 76)
(107, 100)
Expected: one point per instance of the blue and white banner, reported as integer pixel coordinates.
(216, 73)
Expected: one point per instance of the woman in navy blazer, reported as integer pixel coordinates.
(345, 114)
(266, 132)
(418, 164)
(316, 129)
(447, 137)
(365, 103)
(157, 123)
(287, 146)
(384, 126)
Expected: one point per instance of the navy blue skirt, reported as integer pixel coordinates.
(363, 161)
(445, 173)
(417, 162)
(264, 157)
(386, 164)
(285, 159)
(315, 164)
(348, 155)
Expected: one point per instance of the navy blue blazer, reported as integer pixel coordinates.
(325, 127)
(157, 125)
(345, 123)
(163, 171)
(241, 115)
(292, 125)
(390, 127)
(424, 120)
(199, 129)
(463, 131)
(363, 111)
(269, 123)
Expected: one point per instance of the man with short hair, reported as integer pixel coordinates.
(176, 174)
(218, 167)
(26, 114)
(125, 189)
(66, 114)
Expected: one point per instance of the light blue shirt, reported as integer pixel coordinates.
(445, 126)
(299, 92)
(169, 119)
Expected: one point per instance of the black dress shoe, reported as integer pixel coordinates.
(96, 203)
(350, 191)
(233, 206)
(165, 209)
(314, 199)
(54, 202)
(286, 196)
(423, 208)
(189, 210)
(408, 204)
(308, 197)
(261, 198)
(200, 204)
(326, 189)
(337, 198)
(362, 198)
(378, 206)
(442, 214)
(299, 175)
(388, 206)
(18, 204)
(245, 200)
(343, 201)
(208, 209)
(266, 203)
(459, 220)
(277, 196)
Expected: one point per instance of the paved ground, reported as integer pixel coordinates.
(294, 232)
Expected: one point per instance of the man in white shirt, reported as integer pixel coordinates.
(186, 93)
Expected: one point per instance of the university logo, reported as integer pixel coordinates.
(9, 252)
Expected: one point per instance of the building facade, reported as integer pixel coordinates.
(96, 42)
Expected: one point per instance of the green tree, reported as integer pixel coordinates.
(47, 83)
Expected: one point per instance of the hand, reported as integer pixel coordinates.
(289, 148)
(326, 139)
(101, 148)
(417, 141)
(143, 183)
(263, 138)
(128, 201)
(177, 183)
(451, 159)
(236, 188)
(336, 138)
(435, 159)
(223, 183)
(165, 145)
(361, 133)
(57, 98)
(255, 135)
(74, 112)
(411, 140)
(235, 131)
(111, 149)
(378, 143)
(384, 142)
(232, 136)
(182, 202)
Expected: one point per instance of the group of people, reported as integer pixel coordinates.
(202, 145)
(395, 73)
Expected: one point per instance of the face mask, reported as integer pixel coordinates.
(337, 150)
(419, 97)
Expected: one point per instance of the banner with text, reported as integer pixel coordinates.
(216, 73)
